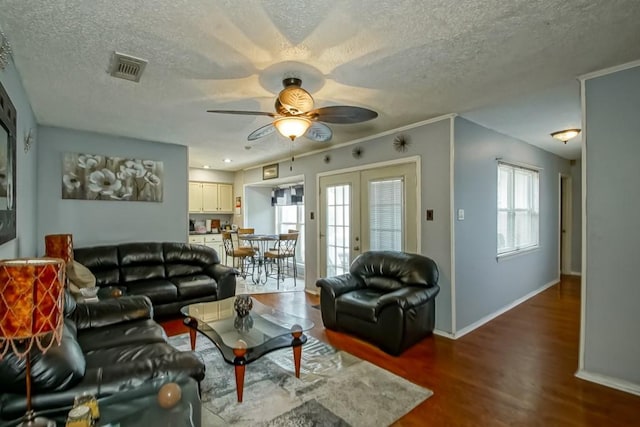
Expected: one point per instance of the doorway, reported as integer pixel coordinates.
(565, 224)
(372, 209)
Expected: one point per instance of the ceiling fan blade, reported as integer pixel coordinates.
(342, 114)
(261, 132)
(319, 132)
(245, 113)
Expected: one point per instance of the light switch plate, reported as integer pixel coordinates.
(460, 214)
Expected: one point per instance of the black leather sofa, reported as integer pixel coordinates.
(387, 298)
(110, 346)
(171, 274)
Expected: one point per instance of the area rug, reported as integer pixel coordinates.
(334, 389)
(246, 286)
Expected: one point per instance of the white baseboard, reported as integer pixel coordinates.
(607, 381)
(443, 334)
(503, 310)
(312, 291)
(576, 273)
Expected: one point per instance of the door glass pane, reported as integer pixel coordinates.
(386, 214)
(338, 230)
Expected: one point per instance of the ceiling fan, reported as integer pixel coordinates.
(295, 115)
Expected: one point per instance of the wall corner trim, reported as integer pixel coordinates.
(610, 70)
(608, 381)
(491, 316)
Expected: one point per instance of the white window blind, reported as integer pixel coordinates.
(386, 214)
(518, 208)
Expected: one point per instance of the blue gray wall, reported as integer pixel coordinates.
(259, 214)
(429, 141)
(484, 285)
(105, 222)
(24, 245)
(612, 291)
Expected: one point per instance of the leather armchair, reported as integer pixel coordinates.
(387, 298)
(107, 347)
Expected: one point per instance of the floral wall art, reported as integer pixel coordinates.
(97, 177)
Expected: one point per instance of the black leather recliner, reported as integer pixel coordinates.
(387, 298)
(107, 347)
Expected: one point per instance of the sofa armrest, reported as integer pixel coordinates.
(226, 279)
(407, 298)
(338, 285)
(111, 311)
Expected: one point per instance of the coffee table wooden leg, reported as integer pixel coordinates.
(192, 324)
(239, 381)
(297, 355)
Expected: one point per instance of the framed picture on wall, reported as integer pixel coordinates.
(270, 171)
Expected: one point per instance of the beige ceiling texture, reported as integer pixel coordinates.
(508, 65)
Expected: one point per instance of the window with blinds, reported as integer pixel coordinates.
(386, 214)
(518, 208)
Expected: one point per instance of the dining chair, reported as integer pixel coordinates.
(285, 248)
(248, 231)
(243, 254)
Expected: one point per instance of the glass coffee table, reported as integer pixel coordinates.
(245, 339)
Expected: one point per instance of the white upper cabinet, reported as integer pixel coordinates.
(210, 197)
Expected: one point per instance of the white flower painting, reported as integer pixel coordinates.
(96, 177)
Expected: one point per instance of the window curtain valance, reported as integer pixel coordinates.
(289, 196)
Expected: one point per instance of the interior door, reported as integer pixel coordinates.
(375, 209)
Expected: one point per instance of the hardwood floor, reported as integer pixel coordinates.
(517, 370)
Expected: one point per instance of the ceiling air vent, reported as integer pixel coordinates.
(127, 67)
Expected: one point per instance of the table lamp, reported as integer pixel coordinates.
(31, 300)
(59, 246)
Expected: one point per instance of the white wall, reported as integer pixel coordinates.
(611, 293)
(105, 222)
(24, 245)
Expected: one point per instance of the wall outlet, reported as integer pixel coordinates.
(460, 214)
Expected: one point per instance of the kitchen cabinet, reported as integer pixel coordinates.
(210, 197)
(211, 240)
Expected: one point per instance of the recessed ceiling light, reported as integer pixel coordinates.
(206, 166)
(227, 160)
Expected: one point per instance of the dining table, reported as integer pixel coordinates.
(263, 243)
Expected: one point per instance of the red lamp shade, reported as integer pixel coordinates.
(59, 246)
(31, 304)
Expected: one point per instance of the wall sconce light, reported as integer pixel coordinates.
(565, 135)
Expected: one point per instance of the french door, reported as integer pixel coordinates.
(374, 209)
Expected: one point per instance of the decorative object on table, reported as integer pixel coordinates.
(8, 195)
(243, 324)
(356, 152)
(169, 395)
(31, 300)
(89, 400)
(401, 143)
(5, 50)
(98, 177)
(270, 171)
(243, 305)
(29, 139)
(79, 416)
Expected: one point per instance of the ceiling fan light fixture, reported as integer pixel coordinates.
(292, 127)
(565, 135)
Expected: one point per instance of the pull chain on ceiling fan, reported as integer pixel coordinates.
(295, 115)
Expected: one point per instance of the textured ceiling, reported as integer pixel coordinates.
(504, 64)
